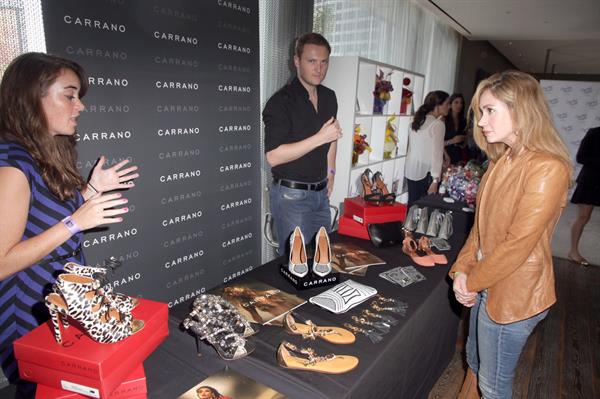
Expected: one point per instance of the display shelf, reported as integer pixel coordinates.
(353, 79)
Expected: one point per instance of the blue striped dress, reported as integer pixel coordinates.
(22, 305)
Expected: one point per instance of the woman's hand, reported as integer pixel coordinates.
(461, 292)
(113, 178)
(433, 188)
(100, 209)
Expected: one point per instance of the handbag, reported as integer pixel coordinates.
(385, 234)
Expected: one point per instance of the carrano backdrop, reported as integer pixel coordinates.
(174, 88)
(576, 109)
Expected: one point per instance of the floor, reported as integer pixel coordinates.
(562, 358)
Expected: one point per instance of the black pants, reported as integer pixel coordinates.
(417, 189)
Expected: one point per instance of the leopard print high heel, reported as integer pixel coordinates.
(122, 302)
(76, 297)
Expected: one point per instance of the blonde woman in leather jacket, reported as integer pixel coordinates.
(504, 272)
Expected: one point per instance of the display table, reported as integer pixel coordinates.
(406, 364)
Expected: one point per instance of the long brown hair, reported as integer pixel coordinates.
(22, 118)
(432, 100)
(530, 114)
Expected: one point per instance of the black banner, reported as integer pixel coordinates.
(174, 88)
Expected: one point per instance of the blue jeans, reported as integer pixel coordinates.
(493, 349)
(291, 207)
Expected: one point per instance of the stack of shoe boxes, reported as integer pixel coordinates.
(80, 367)
(358, 214)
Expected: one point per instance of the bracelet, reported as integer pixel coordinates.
(455, 273)
(332, 171)
(71, 225)
(92, 187)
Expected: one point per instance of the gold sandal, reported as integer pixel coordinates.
(334, 335)
(330, 364)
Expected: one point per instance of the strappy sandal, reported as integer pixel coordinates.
(329, 364)
(77, 297)
(425, 247)
(334, 335)
(122, 302)
(409, 247)
(369, 195)
(386, 196)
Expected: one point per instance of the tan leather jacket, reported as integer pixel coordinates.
(518, 205)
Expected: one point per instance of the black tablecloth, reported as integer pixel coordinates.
(406, 364)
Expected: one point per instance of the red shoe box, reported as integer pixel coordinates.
(349, 227)
(83, 365)
(134, 387)
(366, 213)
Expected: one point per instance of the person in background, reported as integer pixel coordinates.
(301, 133)
(207, 392)
(44, 203)
(504, 271)
(456, 124)
(425, 153)
(587, 192)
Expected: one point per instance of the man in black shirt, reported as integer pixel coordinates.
(301, 134)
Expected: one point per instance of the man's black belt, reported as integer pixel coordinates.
(302, 186)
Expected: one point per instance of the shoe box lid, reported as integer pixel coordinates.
(134, 386)
(99, 367)
(349, 227)
(359, 209)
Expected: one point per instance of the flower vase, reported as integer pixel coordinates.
(378, 105)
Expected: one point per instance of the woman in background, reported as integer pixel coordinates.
(455, 129)
(587, 192)
(504, 271)
(425, 154)
(44, 203)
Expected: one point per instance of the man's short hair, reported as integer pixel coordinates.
(311, 38)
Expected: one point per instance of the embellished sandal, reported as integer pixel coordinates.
(425, 247)
(330, 364)
(334, 335)
(228, 344)
(409, 247)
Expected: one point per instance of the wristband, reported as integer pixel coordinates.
(71, 225)
(454, 274)
(332, 171)
(92, 187)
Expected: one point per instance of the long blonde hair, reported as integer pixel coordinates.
(530, 114)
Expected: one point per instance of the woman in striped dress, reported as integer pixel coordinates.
(44, 203)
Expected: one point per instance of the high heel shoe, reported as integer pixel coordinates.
(334, 335)
(425, 247)
(386, 196)
(322, 260)
(369, 194)
(297, 264)
(446, 228)
(122, 302)
(228, 344)
(412, 218)
(330, 364)
(423, 221)
(77, 298)
(409, 247)
(435, 221)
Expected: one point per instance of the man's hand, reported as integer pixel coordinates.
(330, 131)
